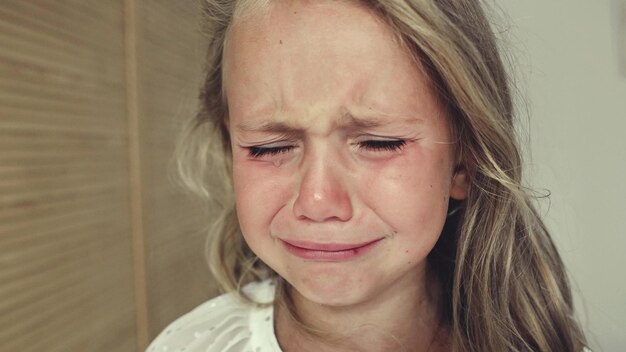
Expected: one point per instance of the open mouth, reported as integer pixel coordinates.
(329, 251)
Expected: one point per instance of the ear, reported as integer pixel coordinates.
(460, 184)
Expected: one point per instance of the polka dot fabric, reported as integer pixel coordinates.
(224, 324)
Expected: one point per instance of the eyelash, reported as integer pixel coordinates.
(371, 145)
(258, 152)
(383, 145)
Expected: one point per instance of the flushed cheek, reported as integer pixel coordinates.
(409, 193)
(259, 195)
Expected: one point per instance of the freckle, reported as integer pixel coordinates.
(295, 12)
(280, 42)
(407, 251)
(431, 186)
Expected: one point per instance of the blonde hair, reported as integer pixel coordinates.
(505, 283)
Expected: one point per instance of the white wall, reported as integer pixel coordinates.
(568, 62)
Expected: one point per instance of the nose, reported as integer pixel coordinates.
(322, 193)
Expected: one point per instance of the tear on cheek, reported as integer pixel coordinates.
(270, 164)
(278, 162)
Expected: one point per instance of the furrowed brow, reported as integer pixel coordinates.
(350, 121)
(271, 127)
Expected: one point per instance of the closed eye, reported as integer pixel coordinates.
(382, 145)
(258, 152)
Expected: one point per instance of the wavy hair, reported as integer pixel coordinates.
(505, 283)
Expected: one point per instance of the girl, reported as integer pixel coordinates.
(376, 199)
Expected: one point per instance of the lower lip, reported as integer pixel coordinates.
(331, 255)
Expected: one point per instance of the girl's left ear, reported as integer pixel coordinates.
(460, 184)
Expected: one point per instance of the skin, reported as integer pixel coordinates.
(316, 83)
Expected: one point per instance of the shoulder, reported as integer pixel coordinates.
(224, 323)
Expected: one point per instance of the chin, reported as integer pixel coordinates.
(331, 289)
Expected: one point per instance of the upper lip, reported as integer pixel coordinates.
(329, 247)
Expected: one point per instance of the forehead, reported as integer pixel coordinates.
(297, 54)
(295, 31)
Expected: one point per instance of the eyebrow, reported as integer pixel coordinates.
(350, 121)
(347, 121)
(273, 127)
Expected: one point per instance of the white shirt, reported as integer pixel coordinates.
(224, 324)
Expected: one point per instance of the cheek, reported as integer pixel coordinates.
(411, 194)
(260, 192)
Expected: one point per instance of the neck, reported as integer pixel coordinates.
(403, 318)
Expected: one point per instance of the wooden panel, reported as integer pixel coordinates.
(621, 35)
(65, 245)
(169, 53)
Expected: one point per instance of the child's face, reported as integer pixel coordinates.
(342, 156)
